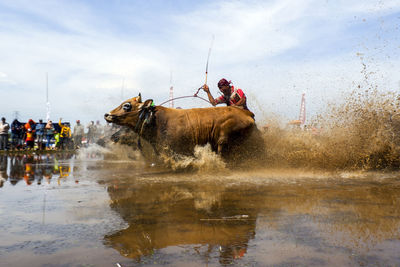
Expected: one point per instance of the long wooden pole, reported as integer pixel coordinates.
(208, 59)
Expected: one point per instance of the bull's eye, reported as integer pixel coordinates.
(127, 107)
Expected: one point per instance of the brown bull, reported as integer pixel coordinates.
(180, 130)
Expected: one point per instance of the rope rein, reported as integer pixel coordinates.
(187, 96)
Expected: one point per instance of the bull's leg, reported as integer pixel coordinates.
(221, 142)
(219, 149)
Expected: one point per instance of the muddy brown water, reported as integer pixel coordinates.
(90, 210)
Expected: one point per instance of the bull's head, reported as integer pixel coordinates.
(127, 114)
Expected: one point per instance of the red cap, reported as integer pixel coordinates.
(223, 82)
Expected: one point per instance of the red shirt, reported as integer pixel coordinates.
(236, 96)
(28, 126)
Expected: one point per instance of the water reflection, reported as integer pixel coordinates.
(165, 214)
(16, 169)
(3, 170)
(249, 219)
(33, 168)
(220, 220)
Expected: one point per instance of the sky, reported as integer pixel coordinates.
(92, 55)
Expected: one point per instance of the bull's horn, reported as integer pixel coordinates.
(140, 98)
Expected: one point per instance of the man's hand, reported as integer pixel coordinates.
(210, 97)
(206, 88)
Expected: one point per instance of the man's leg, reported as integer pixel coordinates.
(1, 142)
(4, 140)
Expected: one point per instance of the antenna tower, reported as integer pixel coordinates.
(171, 93)
(302, 116)
(171, 96)
(16, 114)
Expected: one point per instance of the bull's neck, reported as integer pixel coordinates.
(146, 127)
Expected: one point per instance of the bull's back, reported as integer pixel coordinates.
(214, 114)
(207, 119)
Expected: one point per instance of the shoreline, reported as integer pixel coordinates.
(25, 152)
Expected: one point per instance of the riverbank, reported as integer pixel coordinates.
(38, 152)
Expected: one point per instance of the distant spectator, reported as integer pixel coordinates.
(22, 136)
(98, 131)
(30, 125)
(91, 133)
(17, 134)
(78, 134)
(4, 127)
(30, 138)
(40, 127)
(57, 139)
(65, 134)
(49, 129)
(29, 128)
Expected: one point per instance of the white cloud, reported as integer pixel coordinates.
(3, 76)
(242, 32)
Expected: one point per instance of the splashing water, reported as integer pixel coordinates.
(360, 133)
(204, 159)
(92, 149)
(111, 152)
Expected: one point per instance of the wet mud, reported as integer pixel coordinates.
(102, 207)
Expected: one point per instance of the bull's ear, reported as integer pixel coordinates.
(139, 98)
(148, 103)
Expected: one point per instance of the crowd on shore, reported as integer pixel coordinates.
(48, 135)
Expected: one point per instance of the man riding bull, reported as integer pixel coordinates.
(231, 96)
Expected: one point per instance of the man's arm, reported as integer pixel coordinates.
(210, 97)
